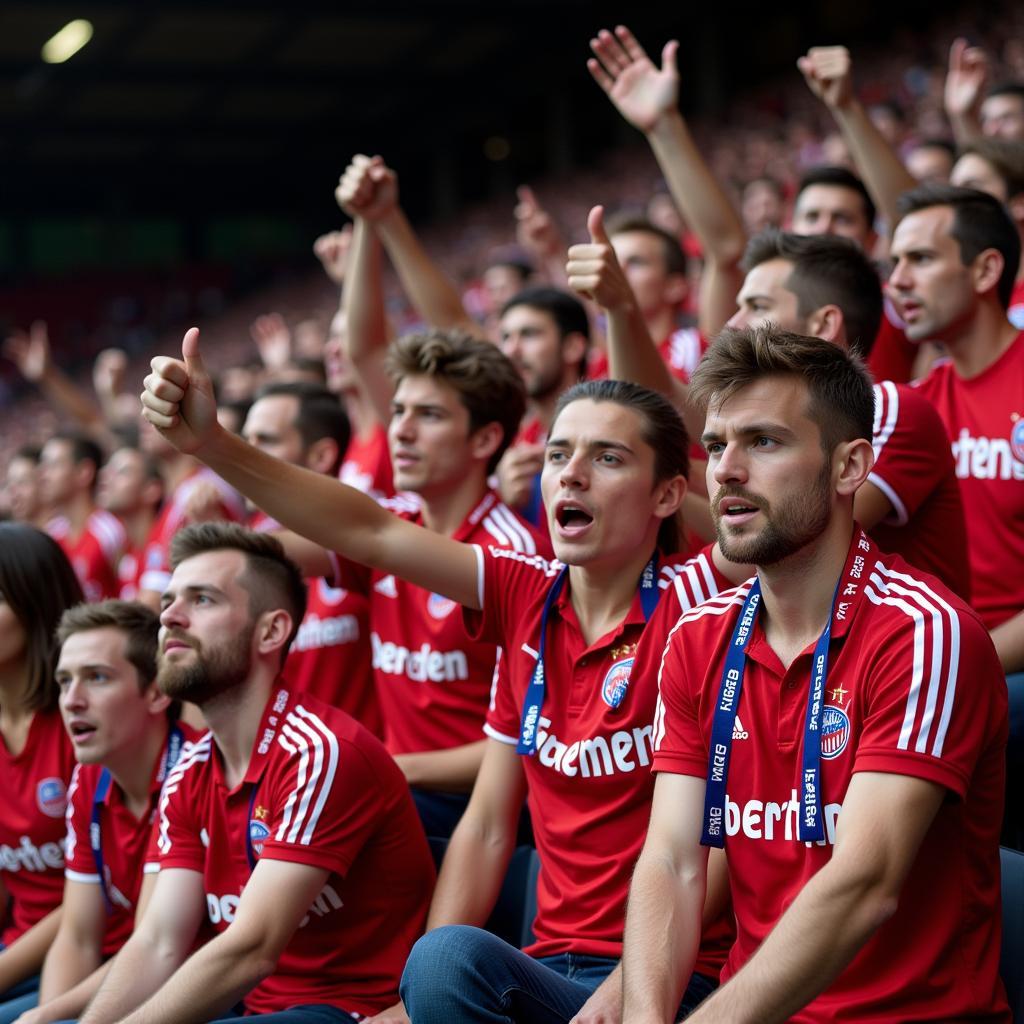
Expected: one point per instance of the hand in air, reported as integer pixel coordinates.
(593, 269)
(828, 72)
(368, 188)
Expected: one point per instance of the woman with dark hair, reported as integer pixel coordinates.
(37, 584)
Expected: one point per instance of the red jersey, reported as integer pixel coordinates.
(156, 568)
(928, 702)
(914, 470)
(893, 354)
(984, 420)
(32, 828)
(367, 465)
(1015, 314)
(124, 841)
(330, 655)
(589, 784)
(129, 572)
(681, 351)
(319, 790)
(94, 553)
(433, 682)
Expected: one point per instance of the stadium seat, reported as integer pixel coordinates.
(1011, 960)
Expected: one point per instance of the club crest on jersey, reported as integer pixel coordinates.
(1017, 440)
(258, 834)
(439, 606)
(52, 797)
(616, 681)
(835, 731)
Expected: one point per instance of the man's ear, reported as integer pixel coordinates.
(272, 630)
(322, 455)
(827, 322)
(852, 461)
(486, 440)
(987, 269)
(156, 700)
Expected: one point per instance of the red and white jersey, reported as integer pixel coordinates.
(94, 553)
(433, 682)
(32, 828)
(1015, 313)
(124, 842)
(320, 791)
(129, 573)
(330, 655)
(367, 464)
(984, 420)
(927, 701)
(589, 785)
(914, 470)
(156, 568)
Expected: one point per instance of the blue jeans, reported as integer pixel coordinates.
(19, 998)
(466, 975)
(314, 1013)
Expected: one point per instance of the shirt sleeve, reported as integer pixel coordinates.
(177, 839)
(500, 579)
(79, 863)
(935, 692)
(502, 722)
(679, 745)
(326, 797)
(912, 454)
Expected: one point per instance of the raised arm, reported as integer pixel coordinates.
(964, 92)
(828, 72)
(178, 401)
(538, 234)
(371, 187)
(648, 98)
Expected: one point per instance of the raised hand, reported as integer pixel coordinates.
(332, 252)
(178, 397)
(593, 269)
(641, 92)
(827, 70)
(368, 188)
(516, 472)
(108, 372)
(966, 79)
(535, 230)
(273, 339)
(30, 351)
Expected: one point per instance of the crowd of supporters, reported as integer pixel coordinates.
(540, 555)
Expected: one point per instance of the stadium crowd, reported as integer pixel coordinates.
(499, 582)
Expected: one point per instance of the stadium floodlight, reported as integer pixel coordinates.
(67, 42)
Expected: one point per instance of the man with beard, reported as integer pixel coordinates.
(287, 799)
(854, 783)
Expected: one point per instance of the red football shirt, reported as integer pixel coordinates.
(322, 792)
(330, 655)
(433, 682)
(984, 420)
(94, 553)
(156, 568)
(124, 842)
(928, 701)
(589, 784)
(367, 464)
(893, 353)
(914, 470)
(32, 827)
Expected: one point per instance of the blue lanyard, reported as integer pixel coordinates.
(534, 700)
(174, 742)
(809, 827)
(249, 852)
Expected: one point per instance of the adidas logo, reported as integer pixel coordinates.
(738, 732)
(386, 586)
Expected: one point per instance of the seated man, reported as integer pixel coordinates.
(126, 740)
(287, 799)
(848, 714)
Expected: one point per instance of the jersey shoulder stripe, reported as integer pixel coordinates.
(537, 562)
(192, 754)
(887, 413)
(506, 523)
(306, 736)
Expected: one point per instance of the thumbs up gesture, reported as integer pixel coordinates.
(178, 397)
(593, 270)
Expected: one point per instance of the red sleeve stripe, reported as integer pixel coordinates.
(305, 734)
(936, 659)
(191, 753)
(887, 412)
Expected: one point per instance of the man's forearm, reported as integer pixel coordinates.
(25, 956)
(453, 770)
(429, 290)
(138, 970)
(821, 932)
(69, 1003)
(1008, 638)
(663, 927)
(68, 962)
(207, 985)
